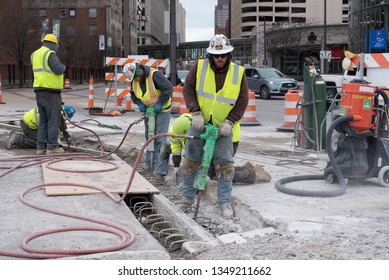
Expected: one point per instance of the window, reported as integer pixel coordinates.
(42, 13)
(72, 13)
(298, 10)
(92, 12)
(70, 30)
(92, 30)
(63, 13)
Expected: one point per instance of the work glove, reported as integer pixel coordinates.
(176, 160)
(142, 107)
(158, 108)
(197, 120)
(225, 128)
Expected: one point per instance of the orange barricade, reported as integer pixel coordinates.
(250, 115)
(291, 110)
(176, 97)
(91, 91)
(67, 84)
(1, 93)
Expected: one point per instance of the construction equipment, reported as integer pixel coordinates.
(362, 147)
(150, 116)
(210, 135)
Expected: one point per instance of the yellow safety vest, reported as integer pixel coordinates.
(217, 104)
(177, 145)
(31, 118)
(44, 77)
(150, 98)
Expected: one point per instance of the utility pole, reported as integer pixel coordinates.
(325, 60)
(173, 43)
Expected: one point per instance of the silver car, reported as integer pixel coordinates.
(267, 82)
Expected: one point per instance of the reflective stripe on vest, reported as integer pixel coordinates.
(44, 77)
(217, 104)
(150, 98)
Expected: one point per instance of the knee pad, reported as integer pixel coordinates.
(225, 171)
(189, 167)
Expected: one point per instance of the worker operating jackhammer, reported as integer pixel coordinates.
(216, 93)
(151, 89)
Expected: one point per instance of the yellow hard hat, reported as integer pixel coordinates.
(181, 124)
(51, 38)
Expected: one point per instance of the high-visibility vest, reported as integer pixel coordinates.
(150, 97)
(217, 104)
(44, 77)
(31, 118)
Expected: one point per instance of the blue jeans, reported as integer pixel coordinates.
(223, 154)
(49, 106)
(162, 121)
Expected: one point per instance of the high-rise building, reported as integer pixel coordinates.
(222, 17)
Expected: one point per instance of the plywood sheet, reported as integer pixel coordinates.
(114, 181)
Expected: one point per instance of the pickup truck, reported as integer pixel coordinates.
(334, 84)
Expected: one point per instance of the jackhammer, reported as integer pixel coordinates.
(150, 115)
(210, 135)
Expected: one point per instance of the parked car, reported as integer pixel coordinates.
(182, 75)
(268, 81)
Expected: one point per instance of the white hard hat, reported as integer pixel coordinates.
(219, 44)
(132, 70)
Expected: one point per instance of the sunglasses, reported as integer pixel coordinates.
(224, 55)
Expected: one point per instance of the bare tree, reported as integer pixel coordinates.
(17, 29)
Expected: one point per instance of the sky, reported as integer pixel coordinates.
(199, 19)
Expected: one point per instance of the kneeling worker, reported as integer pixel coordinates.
(29, 125)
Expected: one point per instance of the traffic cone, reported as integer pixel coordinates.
(291, 110)
(67, 84)
(91, 92)
(250, 115)
(1, 93)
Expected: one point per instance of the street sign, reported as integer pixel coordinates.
(101, 42)
(325, 55)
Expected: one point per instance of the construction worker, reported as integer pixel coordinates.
(150, 88)
(243, 174)
(48, 84)
(215, 92)
(29, 125)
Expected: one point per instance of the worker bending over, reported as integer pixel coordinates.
(29, 125)
(150, 88)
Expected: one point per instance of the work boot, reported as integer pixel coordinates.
(11, 141)
(144, 169)
(226, 211)
(158, 179)
(58, 150)
(41, 151)
(184, 205)
(261, 174)
(244, 174)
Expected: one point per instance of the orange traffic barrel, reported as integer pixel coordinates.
(67, 84)
(291, 110)
(176, 99)
(250, 115)
(183, 109)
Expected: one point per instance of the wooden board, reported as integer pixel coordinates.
(114, 181)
